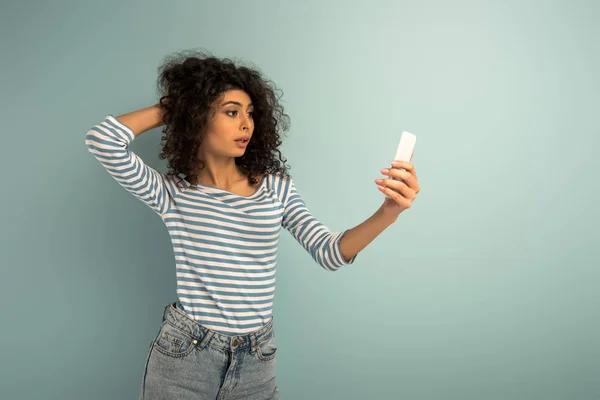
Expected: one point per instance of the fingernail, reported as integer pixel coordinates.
(385, 170)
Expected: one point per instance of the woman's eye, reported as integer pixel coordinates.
(233, 113)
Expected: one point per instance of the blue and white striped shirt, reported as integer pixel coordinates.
(225, 245)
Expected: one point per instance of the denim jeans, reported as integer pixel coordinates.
(189, 361)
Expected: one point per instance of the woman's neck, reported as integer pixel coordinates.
(225, 176)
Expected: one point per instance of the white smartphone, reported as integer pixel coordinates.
(405, 149)
(406, 146)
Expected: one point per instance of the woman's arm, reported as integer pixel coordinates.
(357, 238)
(313, 235)
(109, 143)
(400, 190)
(143, 120)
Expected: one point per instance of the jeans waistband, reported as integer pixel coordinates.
(175, 315)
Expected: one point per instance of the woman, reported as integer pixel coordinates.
(224, 200)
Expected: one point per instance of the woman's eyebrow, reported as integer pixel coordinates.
(236, 103)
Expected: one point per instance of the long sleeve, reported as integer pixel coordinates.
(109, 143)
(322, 244)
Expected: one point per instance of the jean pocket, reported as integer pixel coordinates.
(173, 342)
(266, 349)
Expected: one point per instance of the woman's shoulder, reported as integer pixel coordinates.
(281, 184)
(277, 177)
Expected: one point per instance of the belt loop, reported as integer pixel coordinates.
(165, 311)
(253, 343)
(206, 339)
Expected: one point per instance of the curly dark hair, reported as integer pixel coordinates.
(189, 84)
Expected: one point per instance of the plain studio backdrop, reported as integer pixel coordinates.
(486, 289)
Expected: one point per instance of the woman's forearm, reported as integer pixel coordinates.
(143, 120)
(360, 236)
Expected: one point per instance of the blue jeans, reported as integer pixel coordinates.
(189, 361)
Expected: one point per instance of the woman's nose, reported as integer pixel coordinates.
(246, 123)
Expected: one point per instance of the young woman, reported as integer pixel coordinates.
(224, 200)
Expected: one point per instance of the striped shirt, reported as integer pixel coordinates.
(225, 245)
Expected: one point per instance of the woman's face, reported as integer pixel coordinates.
(230, 125)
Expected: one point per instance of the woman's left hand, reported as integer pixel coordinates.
(400, 194)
